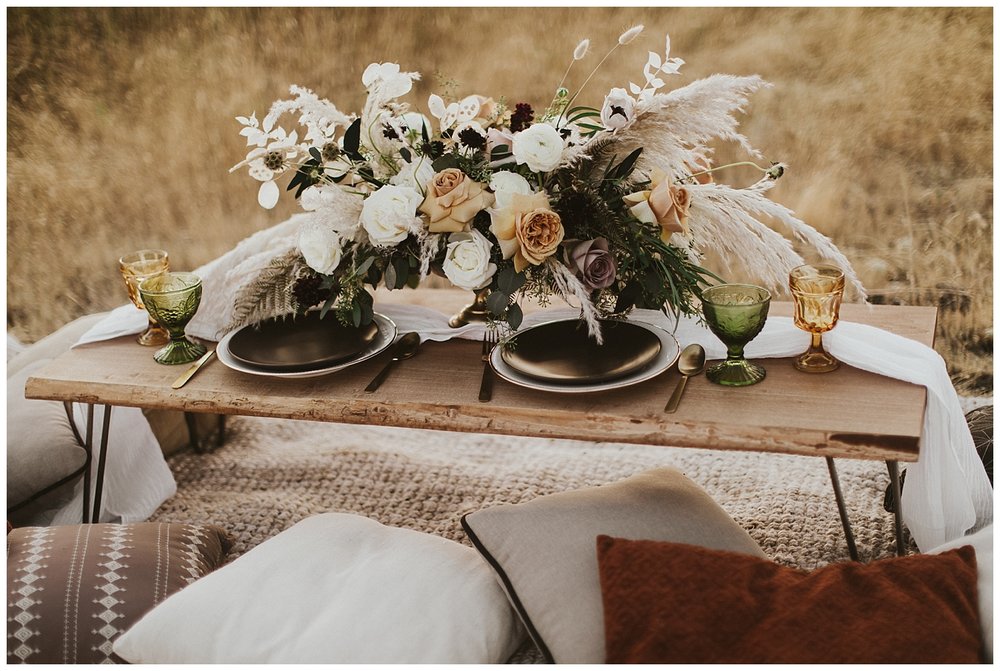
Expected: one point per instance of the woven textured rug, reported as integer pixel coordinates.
(272, 473)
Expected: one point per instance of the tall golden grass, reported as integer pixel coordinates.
(121, 130)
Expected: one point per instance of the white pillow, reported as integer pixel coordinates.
(982, 542)
(335, 588)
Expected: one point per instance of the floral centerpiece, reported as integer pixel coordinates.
(609, 208)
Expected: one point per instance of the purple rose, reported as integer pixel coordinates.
(591, 262)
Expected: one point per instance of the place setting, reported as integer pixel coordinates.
(304, 346)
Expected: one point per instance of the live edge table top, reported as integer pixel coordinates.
(847, 413)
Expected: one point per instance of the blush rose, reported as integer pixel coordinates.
(453, 200)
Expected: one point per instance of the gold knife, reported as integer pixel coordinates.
(189, 373)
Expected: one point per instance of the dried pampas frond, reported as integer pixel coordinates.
(270, 294)
(568, 286)
(675, 129)
(726, 220)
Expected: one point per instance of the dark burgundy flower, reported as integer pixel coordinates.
(522, 117)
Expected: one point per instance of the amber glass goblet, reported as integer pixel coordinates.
(172, 300)
(817, 291)
(135, 268)
(736, 313)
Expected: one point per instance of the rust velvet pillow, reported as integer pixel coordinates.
(675, 603)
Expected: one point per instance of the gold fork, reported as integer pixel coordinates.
(490, 339)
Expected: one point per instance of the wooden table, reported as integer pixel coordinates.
(848, 413)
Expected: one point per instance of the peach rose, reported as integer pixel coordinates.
(665, 204)
(539, 232)
(670, 205)
(453, 200)
(527, 230)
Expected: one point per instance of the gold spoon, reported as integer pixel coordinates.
(691, 362)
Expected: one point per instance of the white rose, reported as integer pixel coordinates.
(618, 110)
(467, 260)
(390, 214)
(505, 184)
(415, 174)
(321, 247)
(540, 146)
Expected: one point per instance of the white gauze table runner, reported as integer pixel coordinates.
(947, 491)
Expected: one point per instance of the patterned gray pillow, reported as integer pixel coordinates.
(72, 590)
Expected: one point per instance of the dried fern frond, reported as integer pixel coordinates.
(270, 293)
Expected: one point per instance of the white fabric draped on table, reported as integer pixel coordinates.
(947, 491)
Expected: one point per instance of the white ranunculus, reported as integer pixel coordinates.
(467, 260)
(321, 247)
(540, 146)
(618, 110)
(415, 174)
(390, 214)
(505, 184)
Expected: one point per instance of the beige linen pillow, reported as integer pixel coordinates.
(544, 551)
(42, 451)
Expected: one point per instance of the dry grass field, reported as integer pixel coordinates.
(121, 130)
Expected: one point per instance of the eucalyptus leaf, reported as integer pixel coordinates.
(390, 276)
(314, 152)
(326, 306)
(509, 280)
(405, 154)
(444, 162)
(373, 276)
(515, 316)
(402, 268)
(356, 315)
(497, 302)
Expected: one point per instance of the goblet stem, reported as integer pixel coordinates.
(816, 359)
(179, 350)
(734, 352)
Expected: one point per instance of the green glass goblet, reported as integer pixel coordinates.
(736, 313)
(172, 299)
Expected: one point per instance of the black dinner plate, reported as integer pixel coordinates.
(564, 352)
(299, 343)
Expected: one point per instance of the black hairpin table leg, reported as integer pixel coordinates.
(101, 462)
(852, 549)
(897, 496)
(88, 446)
